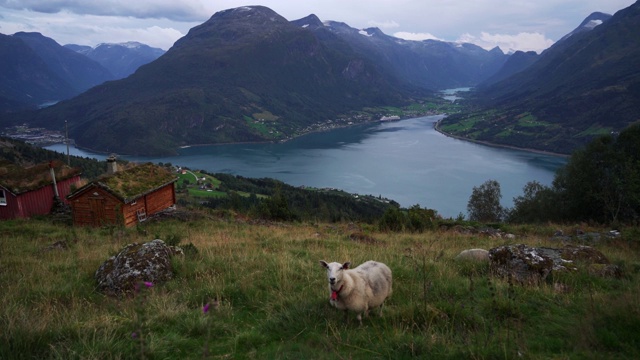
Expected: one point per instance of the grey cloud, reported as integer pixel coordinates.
(182, 11)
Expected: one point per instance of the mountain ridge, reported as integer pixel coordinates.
(246, 74)
(579, 89)
(121, 59)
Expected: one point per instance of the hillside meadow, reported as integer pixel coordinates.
(267, 296)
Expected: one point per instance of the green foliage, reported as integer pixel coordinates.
(415, 219)
(392, 220)
(484, 203)
(538, 204)
(274, 200)
(602, 181)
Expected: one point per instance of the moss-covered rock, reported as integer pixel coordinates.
(148, 262)
(528, 265)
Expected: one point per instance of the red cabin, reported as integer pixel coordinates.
(25, 192)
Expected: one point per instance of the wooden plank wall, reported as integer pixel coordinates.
(114, 210)
(84, 213)
(35, 202)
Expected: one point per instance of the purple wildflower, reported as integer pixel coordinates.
(148, 284)
(134, 335)
(205, 309)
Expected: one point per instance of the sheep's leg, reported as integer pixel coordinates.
(381, 306)
(360, 318)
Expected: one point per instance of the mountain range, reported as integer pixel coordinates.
(248, 74)
(37, 72)
(121, 59)
(584, 86)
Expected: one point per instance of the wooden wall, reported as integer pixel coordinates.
(35, 202)
(104, 208)
(96, 207)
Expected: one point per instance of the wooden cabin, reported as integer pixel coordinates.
(25, 192)
(125, 197)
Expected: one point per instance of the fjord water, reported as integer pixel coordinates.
(407, 161)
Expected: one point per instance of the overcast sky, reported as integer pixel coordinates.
(511, 24)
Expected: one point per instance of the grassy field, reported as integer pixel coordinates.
(272, 297)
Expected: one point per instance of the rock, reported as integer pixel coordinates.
(58, 245)
(527, 265)
(606, 270)
(521, 263)
(136, 263)
(473, 255)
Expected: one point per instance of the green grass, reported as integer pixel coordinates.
(274, 299)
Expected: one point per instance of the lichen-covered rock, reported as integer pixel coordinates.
(148, 262)
(521, 263)
(527, 265)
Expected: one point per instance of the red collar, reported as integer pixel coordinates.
(334, 293)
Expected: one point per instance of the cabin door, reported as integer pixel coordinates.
(97, 211)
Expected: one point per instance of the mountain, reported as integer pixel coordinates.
(590, 23)
(428, 64)
(517, 62)
(246, 74)
(580, 88)
(121, 59)
(25, 79)
(79, 71)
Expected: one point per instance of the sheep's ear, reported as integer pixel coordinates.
(346, 265)
(324, 264)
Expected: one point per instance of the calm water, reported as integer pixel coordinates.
(407, 161)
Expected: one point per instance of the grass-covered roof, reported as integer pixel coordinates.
(136, 181)
(18, 179)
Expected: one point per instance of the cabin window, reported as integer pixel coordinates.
(3, 198)
(133, 202)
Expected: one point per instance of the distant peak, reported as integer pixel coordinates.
(591, 22)
(311, 21)
(128, 44)
(373, 31)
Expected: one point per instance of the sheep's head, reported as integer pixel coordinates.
(334, 271)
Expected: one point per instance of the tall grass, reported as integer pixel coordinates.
(272, 300)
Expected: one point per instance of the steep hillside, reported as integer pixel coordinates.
(582, 87)
(81, 72)
(517, 62)
(247, 74)
(25, 79)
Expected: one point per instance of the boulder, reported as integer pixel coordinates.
(528, 265)
(473, 255)
(136, 263)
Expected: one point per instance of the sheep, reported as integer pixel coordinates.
(360, 289)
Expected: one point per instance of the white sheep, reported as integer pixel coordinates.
(360, 289)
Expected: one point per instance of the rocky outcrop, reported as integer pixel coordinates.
(528, 265)
(148, 262)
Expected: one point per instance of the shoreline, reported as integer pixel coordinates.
(435, 127)
(487, 143)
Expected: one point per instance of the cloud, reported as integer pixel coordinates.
(158, 9)
(525, 41)
(384, 25)
(415, 36)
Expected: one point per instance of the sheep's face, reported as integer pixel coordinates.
(334, 271)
